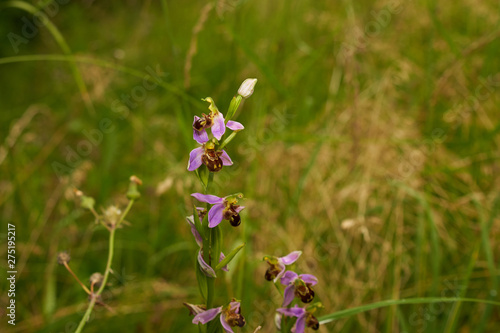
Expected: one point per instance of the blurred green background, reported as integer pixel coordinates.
(370, 143)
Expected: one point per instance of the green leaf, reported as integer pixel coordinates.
(421, 300)
(197, 223)
(49, 301)
(202, 281)
(206, 237)
(229, 257)
(233, 107)
(203, 175)
(217, 244)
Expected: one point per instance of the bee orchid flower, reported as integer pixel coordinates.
(277, 265)
(304, 318)
(230, 316)
(215, 121)
(223, 208)
(298, 285)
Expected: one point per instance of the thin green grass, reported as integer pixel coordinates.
(421, 300)
(54, 31)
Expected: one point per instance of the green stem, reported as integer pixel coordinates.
(86, 316)
(95, 296)
(210, 292)
(209, 181)
(228, 139)
(130, 203)
(210, 281)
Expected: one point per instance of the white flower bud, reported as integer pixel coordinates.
(246, 88)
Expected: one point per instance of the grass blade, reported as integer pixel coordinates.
(377, 305)
(62, 44)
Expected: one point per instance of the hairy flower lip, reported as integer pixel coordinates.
(200, 135)
(290, 280)
(196, 158)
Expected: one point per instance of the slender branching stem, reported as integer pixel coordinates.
(76, 278)
(94, 297)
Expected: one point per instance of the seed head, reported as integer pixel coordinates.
(63, 257)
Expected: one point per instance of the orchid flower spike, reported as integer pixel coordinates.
(223, 208)
(298, 285)
(304, 318)
(230, 316)
(277, 265)
(206, 154)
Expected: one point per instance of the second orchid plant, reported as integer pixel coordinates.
(210, 131)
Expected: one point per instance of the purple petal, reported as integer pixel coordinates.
(288, 295)
(300, 325)
(209, 271)
(200, 136)
(195, 232)
(239, 209)
(208, 198)
(222, 256)
(206, 316)
(296, 311)
(282, 271)
(308, 278)
(288, 278)
(290, 258)
(234, 125)
(215, 215)
(193, 309)
(224, 323)
(198, 210)
(195, 158)
(235, 307)
(218, 127)
(226, 160)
